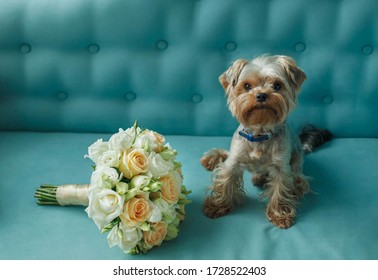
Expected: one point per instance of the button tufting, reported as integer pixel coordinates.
(197, 98)
(367, 49)
(161, 45)
(300, 47)
(61, 95)
(327, 99)
(230, 46)
(130, 96)
(93, 48)
(25, 48)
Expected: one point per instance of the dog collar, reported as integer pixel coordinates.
(247, 134)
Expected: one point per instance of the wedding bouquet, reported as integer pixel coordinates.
(136, 191)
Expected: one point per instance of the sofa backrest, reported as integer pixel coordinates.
(97, 65)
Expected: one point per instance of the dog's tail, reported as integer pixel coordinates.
(312, 137)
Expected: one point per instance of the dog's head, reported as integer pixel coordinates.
(263, 91)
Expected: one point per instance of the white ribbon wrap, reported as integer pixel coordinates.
(72, 195)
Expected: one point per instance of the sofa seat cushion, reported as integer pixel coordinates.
(338, 220)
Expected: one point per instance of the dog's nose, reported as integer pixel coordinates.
(261, 97)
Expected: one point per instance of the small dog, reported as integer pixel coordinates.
(260, 94)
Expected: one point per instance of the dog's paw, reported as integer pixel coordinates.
(213, 210)
(301, 186)
(281, 219)
(211, 159)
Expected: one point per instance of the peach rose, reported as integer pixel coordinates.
(159, 139)
(171, 187)
(133, 162)
(155, 236)
(136, 210)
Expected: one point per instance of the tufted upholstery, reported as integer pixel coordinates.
(69, 65)
(84, 68)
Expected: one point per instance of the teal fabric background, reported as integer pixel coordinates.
(92, 66)
(72, 71)
(336, 221)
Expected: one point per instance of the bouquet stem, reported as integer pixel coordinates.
(63, 195)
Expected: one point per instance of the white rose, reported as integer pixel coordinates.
(156, 214)
(149, 141)
(143, 141)
(109, 158)
(96, 150)
(158, 166)
(120, 141)
(168, 211)
(104, 176)
(125, 237)
(104, 206)
(133, 132)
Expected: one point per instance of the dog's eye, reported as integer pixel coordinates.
(247, 86)
(276, 86)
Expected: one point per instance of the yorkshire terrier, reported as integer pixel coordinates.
(260, 94)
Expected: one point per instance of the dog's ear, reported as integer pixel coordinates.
(295, 74)
(230, 78)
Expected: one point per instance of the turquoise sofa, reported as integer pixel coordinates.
(74, 71)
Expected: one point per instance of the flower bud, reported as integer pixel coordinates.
(140, 182)
(121, 188)
(155, 186)
(145, 227)
(131, 193)
(172, 232)
(168, 154)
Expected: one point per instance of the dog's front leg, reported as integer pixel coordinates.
(227, 188)
(282, 201)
